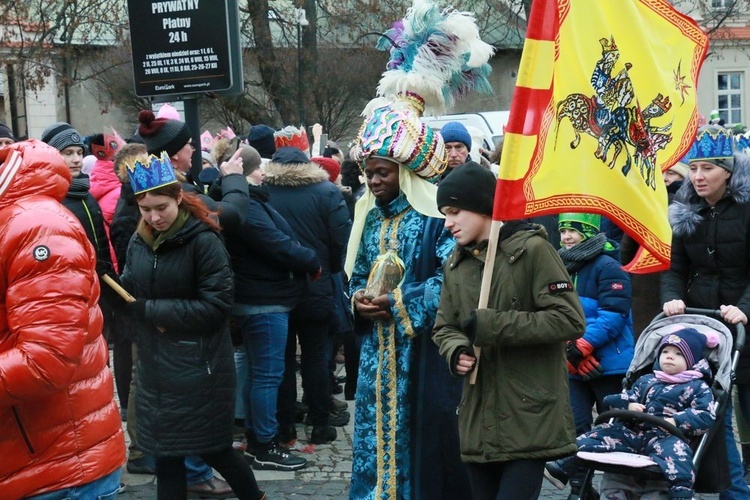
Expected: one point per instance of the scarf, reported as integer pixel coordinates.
(678, 378)
(79, 187)
(576, 257)
(154, 238)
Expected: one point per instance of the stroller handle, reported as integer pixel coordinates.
(739, 340)
(641, 417)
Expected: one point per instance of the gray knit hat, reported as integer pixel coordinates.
(61, 135)
(161, 134)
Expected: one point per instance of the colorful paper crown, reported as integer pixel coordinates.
(292, 136)
(713, 142)
(742, 143)
(112, 142)
(152, 174)
(394, 131)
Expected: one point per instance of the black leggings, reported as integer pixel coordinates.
(171, 482)
(513, 480)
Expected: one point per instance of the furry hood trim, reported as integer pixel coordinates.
(294, 174)
(687, 209)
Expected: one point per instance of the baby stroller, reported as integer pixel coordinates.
(639, 475)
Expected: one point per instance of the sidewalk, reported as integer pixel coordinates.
(326, 475)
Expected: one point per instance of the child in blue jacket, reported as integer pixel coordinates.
(597, 361)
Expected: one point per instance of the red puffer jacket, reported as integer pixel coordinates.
(59, 424)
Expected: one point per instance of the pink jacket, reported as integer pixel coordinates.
(105, 187)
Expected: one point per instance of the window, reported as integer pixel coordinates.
(730, 87)
(722, 4)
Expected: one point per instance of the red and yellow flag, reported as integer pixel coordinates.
(605, 101)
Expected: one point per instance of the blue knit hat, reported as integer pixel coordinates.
(689, 341)
(455, 132)
(261, 138)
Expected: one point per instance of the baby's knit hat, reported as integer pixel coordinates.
(689, 341)
(162, 134)
(470, 187)
(61, 135)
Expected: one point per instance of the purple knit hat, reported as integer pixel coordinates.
(689, 341)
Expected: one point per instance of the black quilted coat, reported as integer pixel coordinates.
(186, 380)
(711, 250)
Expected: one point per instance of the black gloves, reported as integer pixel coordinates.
(136, 309)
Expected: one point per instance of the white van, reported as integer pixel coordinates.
(486, 127)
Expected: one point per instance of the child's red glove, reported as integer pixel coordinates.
(576, 351)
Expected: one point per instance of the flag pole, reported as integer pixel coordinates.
(484, 291)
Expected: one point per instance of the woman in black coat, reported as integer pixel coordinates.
(710, 264)
(179, 270)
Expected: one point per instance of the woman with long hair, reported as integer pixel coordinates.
(180, 272)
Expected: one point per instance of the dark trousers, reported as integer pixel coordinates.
(312, 328)
(585, 394)
(171, 483)
(513, 480)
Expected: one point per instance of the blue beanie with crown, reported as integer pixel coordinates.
(455, 132)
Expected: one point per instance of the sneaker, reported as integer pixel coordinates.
(121, 488)
(555, 475)
(272, 456)
(213, 488)
(323, 434)
(143, 465)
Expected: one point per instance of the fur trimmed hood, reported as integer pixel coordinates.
(294, 174)
(686, 211)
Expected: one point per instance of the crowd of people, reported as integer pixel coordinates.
(226, 280)
(206, 283)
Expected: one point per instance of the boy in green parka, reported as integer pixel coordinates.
(517, 415)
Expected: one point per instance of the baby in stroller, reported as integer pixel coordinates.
(677, 390)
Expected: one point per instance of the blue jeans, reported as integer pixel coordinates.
(104, 488)
(198, 471)
(265, 337)
(583, 396)
(738, 490)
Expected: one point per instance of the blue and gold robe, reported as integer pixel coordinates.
(405, 395)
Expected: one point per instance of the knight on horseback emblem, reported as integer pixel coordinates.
(614, 120)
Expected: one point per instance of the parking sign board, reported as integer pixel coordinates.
(184, 46)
